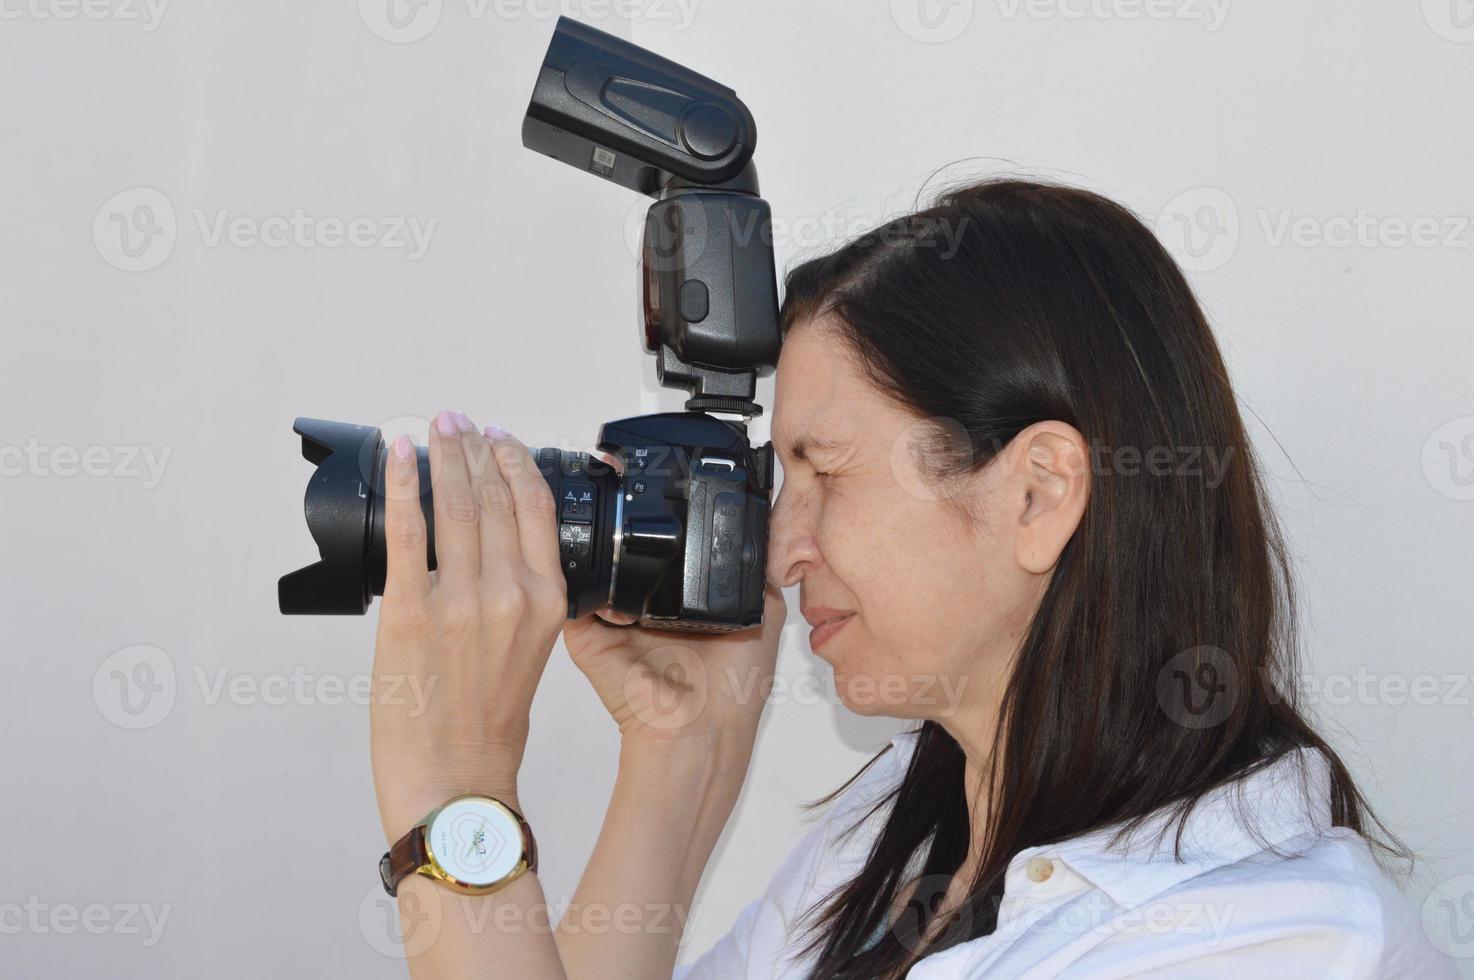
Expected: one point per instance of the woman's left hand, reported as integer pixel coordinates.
(475, 634)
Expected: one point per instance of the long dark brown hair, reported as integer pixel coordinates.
(1009, 302)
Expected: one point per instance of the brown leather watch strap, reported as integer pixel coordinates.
(405, 858)
(408, 854)
(527, 836)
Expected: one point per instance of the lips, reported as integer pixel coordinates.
(825, 622)
(820, 634)
(818, 615)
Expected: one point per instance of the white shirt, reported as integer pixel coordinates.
(1231, 909)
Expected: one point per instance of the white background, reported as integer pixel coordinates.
(252, 824)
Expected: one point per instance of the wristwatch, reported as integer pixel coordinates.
(472, 844)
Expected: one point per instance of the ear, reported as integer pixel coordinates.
(1049, 485)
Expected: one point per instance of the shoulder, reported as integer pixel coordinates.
(1318, 904)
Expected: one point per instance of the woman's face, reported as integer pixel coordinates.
(936, 601)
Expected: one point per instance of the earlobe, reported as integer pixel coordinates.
(1055, 483)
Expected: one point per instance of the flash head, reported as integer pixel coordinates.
(709, 286)
(607, 106)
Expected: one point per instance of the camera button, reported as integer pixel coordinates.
(695, 301)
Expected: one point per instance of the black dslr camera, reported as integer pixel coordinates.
(667, 518)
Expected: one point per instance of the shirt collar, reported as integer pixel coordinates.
(1274, 801)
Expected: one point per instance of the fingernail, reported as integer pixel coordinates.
(404, 448)
(446, 424)
(495, 432)
(465, 420)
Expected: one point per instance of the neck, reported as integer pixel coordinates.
(977, 746)
(973, 725)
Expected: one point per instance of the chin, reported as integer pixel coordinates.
(881, 708)
(886, 689)
(860, 691)
(870, 709)
(846, 679)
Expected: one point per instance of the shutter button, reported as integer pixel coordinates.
(1039, 869)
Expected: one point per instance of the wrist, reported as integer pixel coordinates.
(727, 742)
(681, 794)
(697, 763)
(402, 810)
(413, 776)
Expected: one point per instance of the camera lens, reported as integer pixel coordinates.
(344, 507)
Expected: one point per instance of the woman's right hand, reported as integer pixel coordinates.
(664, 686)
(687, 706)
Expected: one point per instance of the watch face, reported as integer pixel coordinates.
(475, 840)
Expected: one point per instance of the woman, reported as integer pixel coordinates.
(1022, 510)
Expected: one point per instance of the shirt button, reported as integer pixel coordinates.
(1039, 869)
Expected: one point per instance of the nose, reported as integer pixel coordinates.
(792, 547)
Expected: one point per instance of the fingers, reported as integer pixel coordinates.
(608, 615)
(495, 516)
(591, 635)
(535, 509)
(404, 524)
(501, 555)
(457, 521)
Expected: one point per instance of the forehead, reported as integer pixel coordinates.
(820, 396)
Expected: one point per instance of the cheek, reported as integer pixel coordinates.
(931, 592)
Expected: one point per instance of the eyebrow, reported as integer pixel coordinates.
(805, 443)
